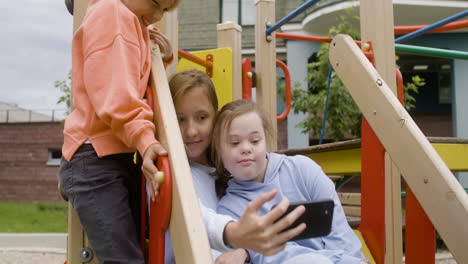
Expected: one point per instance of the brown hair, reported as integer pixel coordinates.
(173, 4)
(185, 81)
(222, 124)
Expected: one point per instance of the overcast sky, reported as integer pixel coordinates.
(34, 51)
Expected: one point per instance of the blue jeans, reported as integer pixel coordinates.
(105, 192)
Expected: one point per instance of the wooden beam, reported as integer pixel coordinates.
(350, 198)
(229, 36)
(377, 28)
(265, 65)
(188, 234)
(352, 210)
(76, 236)
(169, 26)
(442, 197)
(79, 11)
(347, 160)
(393, 223)
(76, 239)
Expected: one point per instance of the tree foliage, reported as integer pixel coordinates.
(65, 88)
(343, 117)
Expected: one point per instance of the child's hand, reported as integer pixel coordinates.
(164, 45)
(261, 233)
(238, 256)
(149, 169)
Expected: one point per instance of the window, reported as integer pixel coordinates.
(239, 11)
(54, 157)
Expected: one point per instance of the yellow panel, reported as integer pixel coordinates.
(344, 161)
(222, 71)
(348, 161)
(454, 155)
(365, 250)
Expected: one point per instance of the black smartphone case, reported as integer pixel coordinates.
(318, 217)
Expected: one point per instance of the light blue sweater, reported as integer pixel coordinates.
(299, 179)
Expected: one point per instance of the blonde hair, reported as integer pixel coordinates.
(222, 124)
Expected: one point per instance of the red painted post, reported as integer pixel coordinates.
(420, 234)
(372, 192)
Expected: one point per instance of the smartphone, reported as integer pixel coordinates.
(318, 217)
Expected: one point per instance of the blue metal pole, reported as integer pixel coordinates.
(431, 27)
(291, 15)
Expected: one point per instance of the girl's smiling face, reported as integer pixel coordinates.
(243, 148)
(196, 115)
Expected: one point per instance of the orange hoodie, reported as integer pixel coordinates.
(111, 66)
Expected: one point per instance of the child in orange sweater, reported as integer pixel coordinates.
(111, 67)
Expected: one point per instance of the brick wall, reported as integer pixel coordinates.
(24, 173)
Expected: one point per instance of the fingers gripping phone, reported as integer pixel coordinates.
(318, 217)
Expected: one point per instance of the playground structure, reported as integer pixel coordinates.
(410, 154)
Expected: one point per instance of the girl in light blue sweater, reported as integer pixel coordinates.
(246, 170)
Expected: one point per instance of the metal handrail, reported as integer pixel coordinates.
(287, 100)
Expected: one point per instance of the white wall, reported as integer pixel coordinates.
(298, 52)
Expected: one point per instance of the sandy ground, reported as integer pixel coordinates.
(24, 256)
(12, 256)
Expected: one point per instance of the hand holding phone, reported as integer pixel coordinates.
(318, 217)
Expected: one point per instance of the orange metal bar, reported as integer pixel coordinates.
(399, 30)
(287, 100)
(400, 87)
(208, 63)
(161, 214)
(247, 76)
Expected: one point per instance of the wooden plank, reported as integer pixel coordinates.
(76, 235)
(75, 238)
(442, 197)
(79, 11)
(350, 198)
(95, 259)
(352, 210)
(334, 178)
(188, 233)
(393, 226)
(265, 65)
(229, 36)
(348, 161)
(347, 144)
(455, 156)
(377, 28)
(169, 26)
(339, 162)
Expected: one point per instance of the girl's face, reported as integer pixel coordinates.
(196, 114)
(148, 11)
(243, 148)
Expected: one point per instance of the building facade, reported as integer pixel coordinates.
(29, 161)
